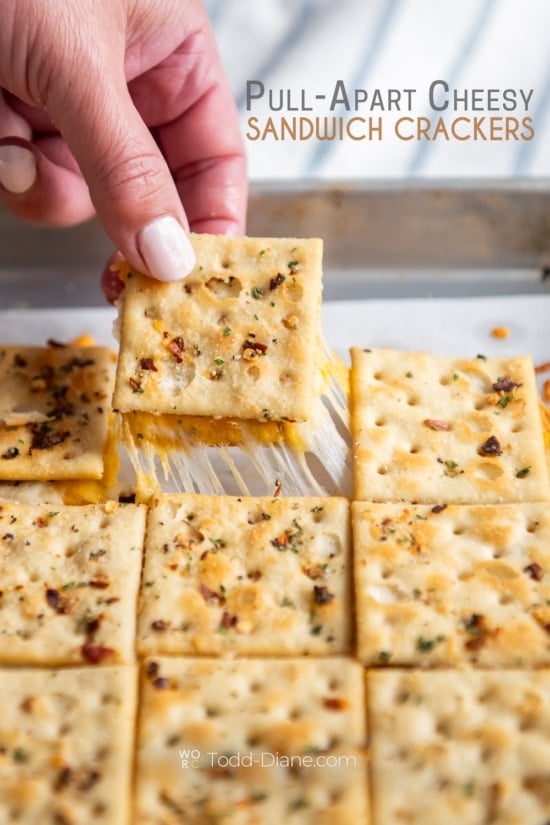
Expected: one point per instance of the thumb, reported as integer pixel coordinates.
(129, 181)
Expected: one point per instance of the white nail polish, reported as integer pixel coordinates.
(166, 249)
(17, 168)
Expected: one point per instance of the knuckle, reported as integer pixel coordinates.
(133, 177)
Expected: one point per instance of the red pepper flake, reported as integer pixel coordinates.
(542, 367)
(44, 439)
(152, 669)
(322, 595)
(255, 575)
(90, 626)
(135, 385)
(159, 625)
(277, 281)
(251, 349)
(505, 384)
(280, 542)
(434, 424)
(478, 630)
(8, 537)
(208, 594)
(335, 703)
(491, 447)
(161, 683)
(177, 348)
(148, 364)
(53, 597)
(439, 508)
(41, 522)
(63, 778)
(228, 620)
(534, 570)
(95, 654)
(99, 584)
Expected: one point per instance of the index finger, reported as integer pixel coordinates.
(203, 145)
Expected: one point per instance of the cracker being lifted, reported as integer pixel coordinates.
(253, 741)
(253, 576)
(66, 739)
(237, 338)
(452, 586)
(433, 429)
(68, 580)
(54, 412)
(456, 746)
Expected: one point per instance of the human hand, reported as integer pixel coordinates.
(120, 107)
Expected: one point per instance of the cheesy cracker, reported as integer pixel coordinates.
(454, 746)
(452, 585)
(66, 741)
(251, 741)
(253, 576)
(234, 339)
(54, 410)
(432, 428)
(69, 578)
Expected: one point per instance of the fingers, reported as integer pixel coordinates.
(130, 184)
(202, 143)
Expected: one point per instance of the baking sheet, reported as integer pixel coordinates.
(458, 326)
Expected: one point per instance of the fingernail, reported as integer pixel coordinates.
(17, 168)
(166, 249)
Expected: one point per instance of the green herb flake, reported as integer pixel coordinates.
(524, 472)
(504, 401)
(317, 509)
(219, 362)
(316, 630)
(68, 586)
(481, 357)
(20, 755)
(427, 645)
(257, 293)
(384, 657)
(293, 264)
(227, 331)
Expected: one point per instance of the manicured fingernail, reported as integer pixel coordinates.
(166, 249)
(17, 168)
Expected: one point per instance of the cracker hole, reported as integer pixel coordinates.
(533, 527)
(335, 797)
(414, 449)
(479, 405)
(255, 687)
(294, 292)
(286, 378)
(253, 372)
(443, 728)
(184, 374)
(382, 471)
(458, 531)
(380, 422)
(334, 684)
(227, 263)
(487, 754)
(488, 470)
(295, 714)
(253, 741)
(444, 380)
(378, 376)
(386, 572)
(35, 577)
(505, 598)
(153, 313)
(224, 288)
(517, 428)
(413, 401)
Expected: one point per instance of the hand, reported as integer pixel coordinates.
(120, 107)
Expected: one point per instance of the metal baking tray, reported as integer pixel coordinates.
(382, 240)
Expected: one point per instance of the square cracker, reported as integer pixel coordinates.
(433, 428)
(454, 585)
(468, 747)
(236, 338)
(251, 741)
(54, 411)
(66, 741)
(69, 578)
(253, 576)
